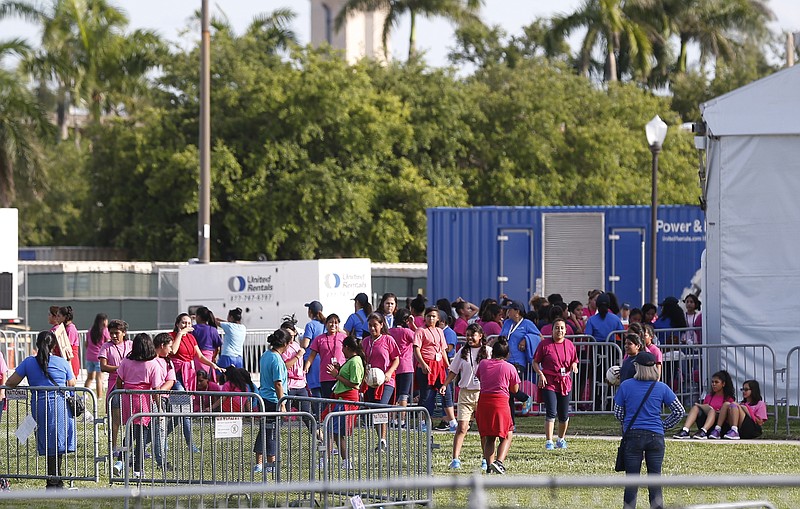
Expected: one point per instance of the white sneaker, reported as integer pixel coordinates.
(347, 464)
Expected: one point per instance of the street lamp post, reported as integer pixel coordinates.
(656, 131)
(204, 210)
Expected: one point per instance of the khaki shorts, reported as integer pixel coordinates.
(467, 404)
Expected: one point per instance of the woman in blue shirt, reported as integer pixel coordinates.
(604, 322)
(232, 352)
(55, 428)
(314, 328)
(274, 380)
(523, 338)
(356, 324)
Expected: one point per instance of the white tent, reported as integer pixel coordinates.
(752, 275)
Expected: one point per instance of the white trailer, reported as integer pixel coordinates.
(269, 291)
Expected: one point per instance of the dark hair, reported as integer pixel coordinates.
(66, 312)
(603, 303)
(387, 296)
(330, 317)
(556, 311)
(574, 305)
(484, 304)
(206, 316)
(438, 313)
(142, 348)
(637, 328)
(500, 348)
(649, 330)
(366, 306)
(482, 353)
(633, 338)
(161, 339)
(558, 319)
(755, 391)
(445, 311)
(118, 324)
(53, 310)
(648, 307)
(382, 319)
(239, 378)
(278, 339)
(178, 320)
(235, 315)
(353, 344)
(490, 311)
(675, 314)
(201, 375)
(727, 390)
(96, 332)
(289, 325)
(635, 312)
(613, 302)
(417, 304)
(45, 342)
(401, 317)
(697, 303)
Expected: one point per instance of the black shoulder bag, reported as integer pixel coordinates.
(620, 465)
(76, 405)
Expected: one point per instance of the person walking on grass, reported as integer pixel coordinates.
(637, 405)
(499, 379)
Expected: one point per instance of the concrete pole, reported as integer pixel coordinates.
(204, 211)
(789, 49)
(655, 148)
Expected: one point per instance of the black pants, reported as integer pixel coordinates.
(55, 469)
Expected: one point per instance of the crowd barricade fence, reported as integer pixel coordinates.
(255, 344)
(56, 430)
(177, 441)
(362, 454)
(791, 397)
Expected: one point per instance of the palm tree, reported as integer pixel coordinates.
(22, 123)
(458, 11)
(607, 23)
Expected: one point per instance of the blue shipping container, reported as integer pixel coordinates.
(484, 252)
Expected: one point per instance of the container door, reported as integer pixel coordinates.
(516, 263)
(627, 262)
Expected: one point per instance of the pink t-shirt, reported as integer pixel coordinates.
(139, 375)
(113, 354)
(490, 328)
(716, 402)
(419, 321)
(556, 360)
(653, 349)
(497, 376)
(380, 353)
(404, 338)
(460, 326)
(328, 347)
(297, 377)
(93, 349)
(757, 411)
(431, 342)
(72, 334)
(167, 372)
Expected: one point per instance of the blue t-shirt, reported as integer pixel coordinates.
(630, 395)
(515, 333)
(357, 321)
(58, 368)
(313, 329)
(451, 338)
(627, 370)
(273, 369)
(233, 343)
(600, 328)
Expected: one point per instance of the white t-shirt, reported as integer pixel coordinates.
(467, 368)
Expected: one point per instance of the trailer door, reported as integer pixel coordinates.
(516, 263)
(627, 265)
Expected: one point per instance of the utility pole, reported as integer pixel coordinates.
(790, 49)
(204, 210)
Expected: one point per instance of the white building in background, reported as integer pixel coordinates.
(359, 37)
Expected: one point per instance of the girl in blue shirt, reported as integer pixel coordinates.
(274, 380)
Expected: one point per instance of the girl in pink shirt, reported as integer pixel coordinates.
(430, 351)
(110, 356)
(380, 351)
(404, 337)
(743, 420)
(329, 347)
(492, 320)
(97, 337)
(499, 379)
(722, 392)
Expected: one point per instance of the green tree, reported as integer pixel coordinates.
(458, 11)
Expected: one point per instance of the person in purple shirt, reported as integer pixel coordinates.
(208, 338)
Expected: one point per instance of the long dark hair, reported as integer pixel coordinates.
(353, 344)
(490, 311)
(279, 338)
(235, 315)
(66, 312)
(500, 348)
(401, 317)
(727, 390)
(465, 350)
(380, 318)
(206, 315)
(240, 378)
(143, 348)
(755, 392)
(45, 342)
(178, 320)
(96, 332)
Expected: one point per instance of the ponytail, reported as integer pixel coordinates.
(45, 342)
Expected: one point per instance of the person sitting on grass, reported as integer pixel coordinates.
(743, 420)
(706, 411)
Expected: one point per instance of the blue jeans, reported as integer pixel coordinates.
(427, 393)
(645, 443)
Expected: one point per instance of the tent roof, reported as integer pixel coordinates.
(770, 105)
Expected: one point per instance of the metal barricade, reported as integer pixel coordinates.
(24, 345)
(255, 344)
(177, 443)
(590, 391)
(37, 424)
(371, 447)
(791, 398)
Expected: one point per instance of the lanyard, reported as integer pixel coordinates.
(558, 358)
(514, 327)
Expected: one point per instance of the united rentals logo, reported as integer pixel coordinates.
(237, 284)
(332, 281)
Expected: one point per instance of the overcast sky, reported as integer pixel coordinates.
(435, 37)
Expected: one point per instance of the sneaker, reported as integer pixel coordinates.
(423, 427)
(561, 443)
(381, 447)
(714, 435)
(483, 465)
(347, 464)
(681, 435)
(455, 464)
(497, 467)
(700, 435)
(270, 468)
(117, 468)
(526, 408)
(732, 435)
(258, 468)
(453, 426)
(442, 426)
(548, 445)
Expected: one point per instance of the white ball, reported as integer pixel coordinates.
(375, 377)
(612, 375)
